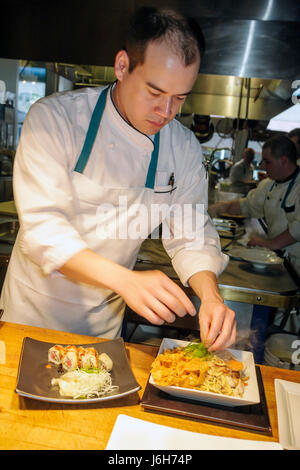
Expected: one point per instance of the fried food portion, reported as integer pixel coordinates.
(175, 367)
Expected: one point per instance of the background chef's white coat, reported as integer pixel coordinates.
(264, 202)
(51, 200)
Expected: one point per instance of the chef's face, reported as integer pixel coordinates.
(274, 167)
(151, 95)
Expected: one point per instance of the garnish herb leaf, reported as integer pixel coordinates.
(196, 349)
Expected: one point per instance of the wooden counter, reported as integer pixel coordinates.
(31, 424)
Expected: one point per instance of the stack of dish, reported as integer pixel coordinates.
(227, 228)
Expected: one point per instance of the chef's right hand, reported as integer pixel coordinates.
(215, 210)
(154, 296)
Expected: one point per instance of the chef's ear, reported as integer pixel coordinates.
(121, 64)
(284, 160)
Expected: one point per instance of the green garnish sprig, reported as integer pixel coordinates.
(91, 370)
(196, 349)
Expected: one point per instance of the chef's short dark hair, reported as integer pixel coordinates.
(152, 24)
(281, 145)
(295, 133)
(249, 152)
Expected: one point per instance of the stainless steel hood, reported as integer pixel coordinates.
(231, 96)
(251, 38)
(257, 39)
(220, 95)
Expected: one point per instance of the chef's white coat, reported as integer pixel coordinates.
(265, 202)
(57, 208)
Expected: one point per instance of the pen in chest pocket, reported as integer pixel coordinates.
(171, 180)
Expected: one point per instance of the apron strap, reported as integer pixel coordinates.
(150, 181)
(92, 132)
(290, 186)
(91, 136)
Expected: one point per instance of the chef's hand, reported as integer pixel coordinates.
(217, 325)
(215, 210)
(257, 240)
(154, 296)
(225, 207)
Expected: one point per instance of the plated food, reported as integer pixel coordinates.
(189, 371)
(87, 373)
(192, 366)
(76, 357)
(36, 373)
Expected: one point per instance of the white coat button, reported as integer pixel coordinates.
(111, 146)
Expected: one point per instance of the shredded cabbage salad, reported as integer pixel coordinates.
(85, 383)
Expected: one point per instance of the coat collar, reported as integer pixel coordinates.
(143, 141)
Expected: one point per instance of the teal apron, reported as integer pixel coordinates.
(91, 136)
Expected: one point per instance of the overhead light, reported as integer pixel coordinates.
(287, 120)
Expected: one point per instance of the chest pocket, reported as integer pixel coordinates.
(165, 183)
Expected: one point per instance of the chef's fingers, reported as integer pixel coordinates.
(172, 302)
(180, 295)
(225, 337)
(232, 339)
(222, 342)
(157, 292)
(151, 316)
(217, 322)
(163, 311)
(210, 324)
(204, 329)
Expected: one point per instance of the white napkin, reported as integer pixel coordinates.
(136, 434)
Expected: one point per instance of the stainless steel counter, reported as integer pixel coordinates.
(240, 282)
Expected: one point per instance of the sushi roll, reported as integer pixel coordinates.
(81, 353)
(70, 360)
(84, 359)
(92, 358)
(56, 354)
(105, 362)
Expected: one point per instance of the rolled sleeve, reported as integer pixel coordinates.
(186, 263)
(43, 192)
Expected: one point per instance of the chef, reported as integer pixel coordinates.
(276, 199)
(87, 159)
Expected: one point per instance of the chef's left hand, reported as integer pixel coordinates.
(217, 325)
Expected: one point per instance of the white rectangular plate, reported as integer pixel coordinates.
(251, 393)
(136, 434)
(288, 412)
